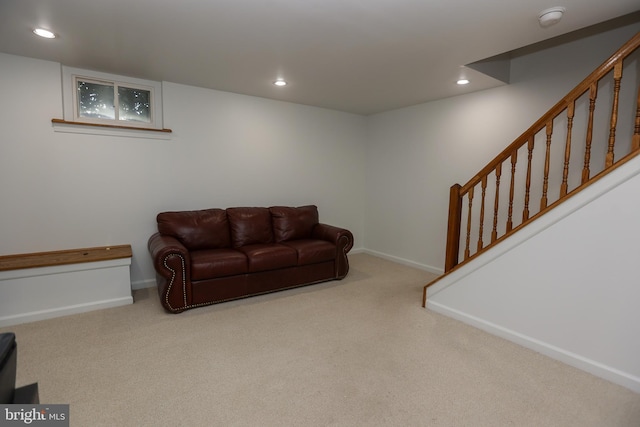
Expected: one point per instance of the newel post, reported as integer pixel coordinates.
(453, 228)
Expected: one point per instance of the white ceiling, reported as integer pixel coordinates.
(360, 56)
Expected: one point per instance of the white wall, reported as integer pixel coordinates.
(577, 302)
(415, 154)
(385, 177)
(63, 190)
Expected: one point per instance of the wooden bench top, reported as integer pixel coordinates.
(70, 256)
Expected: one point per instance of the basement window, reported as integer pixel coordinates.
(108, 100)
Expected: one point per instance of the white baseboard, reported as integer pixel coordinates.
(62, 311)
(143, 284)
(595, 368)
(403, 261)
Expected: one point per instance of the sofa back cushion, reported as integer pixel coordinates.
(203, 229)
(249, 226)
(293, 223)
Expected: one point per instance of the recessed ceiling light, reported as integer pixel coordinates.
(463, 82)
(44, 33)
(280, 82)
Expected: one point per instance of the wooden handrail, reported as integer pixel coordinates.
(579, 90)
(461, 198)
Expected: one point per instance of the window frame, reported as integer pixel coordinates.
(70, 97)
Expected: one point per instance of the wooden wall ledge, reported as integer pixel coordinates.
(64, 257)
(106, 126)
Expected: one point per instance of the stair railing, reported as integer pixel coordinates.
(573, 124)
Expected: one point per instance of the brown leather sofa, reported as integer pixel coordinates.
(214, 255)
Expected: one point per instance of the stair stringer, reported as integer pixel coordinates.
(567, 285)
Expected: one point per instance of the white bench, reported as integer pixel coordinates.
(43, 285)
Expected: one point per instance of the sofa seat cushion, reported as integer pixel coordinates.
(312, 251)
(213, 263)
(262, 257)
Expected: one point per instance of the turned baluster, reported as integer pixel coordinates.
(547, 160)
(636, 133)
(514, 159)
(467, 252)
(617, 76)
(481, 231)
(494, 231)
(567, 150)
(527, 191)
(593, 94)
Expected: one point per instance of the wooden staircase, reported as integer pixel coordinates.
(589, 133)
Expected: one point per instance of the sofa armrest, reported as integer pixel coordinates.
(342, 238)
(336, 235)
(172, 263)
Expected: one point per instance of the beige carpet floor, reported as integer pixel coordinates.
(356, 352)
